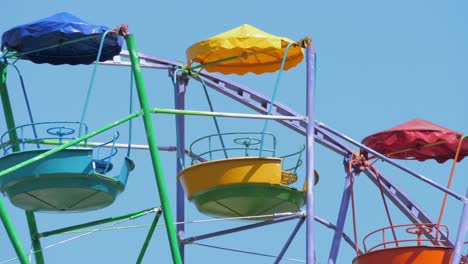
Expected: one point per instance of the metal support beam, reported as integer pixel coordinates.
(340, 222)
(242, 228)
(333, 227)
(149, 236)
(10, 122)
(155, 159)
(179, 96)
(133, 215)
(12, 235)
(288, 242)
(241, 94)
(145, 60)
(310, 140)
(223, 114)
(36, 242)
(458, 249)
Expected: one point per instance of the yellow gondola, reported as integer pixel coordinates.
(242, 186)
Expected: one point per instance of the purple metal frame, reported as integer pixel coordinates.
(314, 131)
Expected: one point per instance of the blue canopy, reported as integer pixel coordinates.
(54, 31)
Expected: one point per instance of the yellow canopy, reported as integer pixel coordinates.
(254, 50)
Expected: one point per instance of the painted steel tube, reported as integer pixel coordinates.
(288, 242)
(223, 114)
(97, 222)
(242, 228)
(148, 237)
(335, 247)
(36, 242)
(18, 247)
(462, 229)
(10, 121)
(179, 96)
(154, 152)
(310, 140)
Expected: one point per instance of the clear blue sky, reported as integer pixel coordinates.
(380, 63)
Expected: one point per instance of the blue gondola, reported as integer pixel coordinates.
(76, 178)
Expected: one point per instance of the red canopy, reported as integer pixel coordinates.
(418, 139)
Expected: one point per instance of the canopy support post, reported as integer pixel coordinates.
(310, 177)
(150, 134)
(335, 247)
(8, 112)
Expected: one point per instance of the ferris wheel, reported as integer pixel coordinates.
(56, 166)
